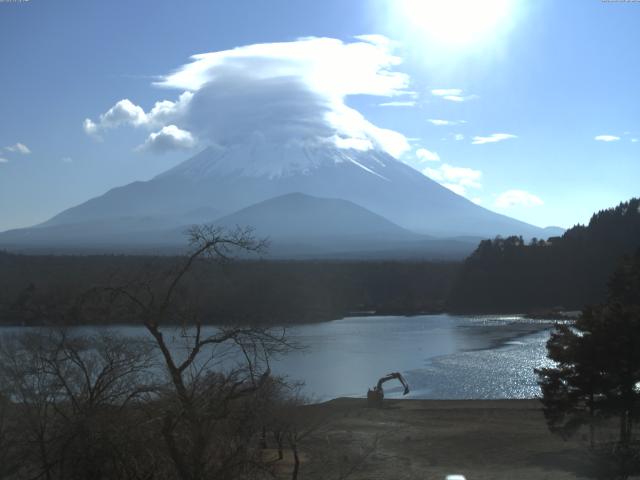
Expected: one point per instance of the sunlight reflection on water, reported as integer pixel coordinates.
(442, 356)
(504, 372)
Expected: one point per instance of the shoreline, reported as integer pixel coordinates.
(436, 404)
(517, 329)
(531, 317)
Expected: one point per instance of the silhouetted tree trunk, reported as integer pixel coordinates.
(193, 428)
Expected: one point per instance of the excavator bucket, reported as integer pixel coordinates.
(404, 384)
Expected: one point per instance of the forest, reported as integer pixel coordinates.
(503, 275)
(568, 272)
(44, 289)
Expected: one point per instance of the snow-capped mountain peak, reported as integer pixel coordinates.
(276, 160)
(222, 180)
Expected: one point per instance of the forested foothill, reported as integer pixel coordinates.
(562, 273)
(503, 275)
(45, 289)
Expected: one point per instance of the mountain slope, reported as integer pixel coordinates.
(302, 226)
(298, 216)
(236, 177)
(220, 181)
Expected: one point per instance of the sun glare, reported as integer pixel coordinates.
(458, 23)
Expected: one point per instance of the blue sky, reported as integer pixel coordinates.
(531, 109)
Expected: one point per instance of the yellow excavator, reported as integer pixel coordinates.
(375, 395)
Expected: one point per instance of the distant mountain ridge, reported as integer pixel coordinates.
(219, 182)
(300, 216)
(302, 226)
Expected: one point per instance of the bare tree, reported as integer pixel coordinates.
(213, 373)
(306, 431)
(8, 455)
(191, 402)
(70, 398)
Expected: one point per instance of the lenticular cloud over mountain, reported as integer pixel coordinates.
(274, 139)
(276, 92)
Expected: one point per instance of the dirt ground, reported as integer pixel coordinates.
(430, 439)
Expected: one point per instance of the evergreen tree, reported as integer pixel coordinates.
(509, 275)
(597, 369)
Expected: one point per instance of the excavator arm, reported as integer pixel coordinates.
(391, 376)
(375, 395)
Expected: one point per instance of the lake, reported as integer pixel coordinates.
(441, 356)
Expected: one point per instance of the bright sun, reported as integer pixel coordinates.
(458, 22)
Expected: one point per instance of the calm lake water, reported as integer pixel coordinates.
(441, 356)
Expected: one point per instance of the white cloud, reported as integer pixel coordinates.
(634, 140)
(166, 111)
(456, 188)
(441, 123)
(375, 38)
(458, 137)
(443, 92)
(89, 127)
(19, 148)
(125, 112)
(3, 160)
(355, 143)
(452, 94)
(425, 155)
(405, 103)
(456, 179)
(493, 138)
(606, 138)
(67, 160)
(169, 138)
(278, 91)
(513, 198)
(350, 124)
(325, 64)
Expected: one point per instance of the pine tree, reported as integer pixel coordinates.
(597, 369)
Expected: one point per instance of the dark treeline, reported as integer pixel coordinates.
(502, 275)
(45, 288)
(507, 274)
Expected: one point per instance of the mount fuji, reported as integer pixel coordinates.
(350, 187)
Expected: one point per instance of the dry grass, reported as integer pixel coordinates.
(429, 439)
